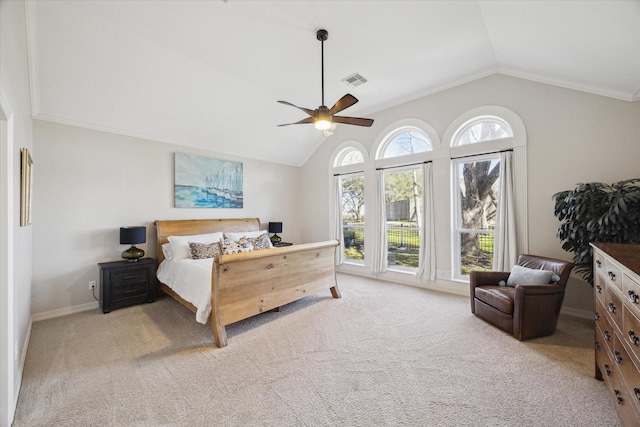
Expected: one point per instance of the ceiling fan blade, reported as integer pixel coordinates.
(352, 121)
(307, 120)
(306, 110)
(345, 102)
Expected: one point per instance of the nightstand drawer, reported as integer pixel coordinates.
(130, 290)
(129, 276)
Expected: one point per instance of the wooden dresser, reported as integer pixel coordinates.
(617, 333)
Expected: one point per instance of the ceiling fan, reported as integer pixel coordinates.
(322, 117)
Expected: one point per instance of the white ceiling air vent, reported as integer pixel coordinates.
(354, 80)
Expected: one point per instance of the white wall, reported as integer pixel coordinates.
(572, 137)
(89, 183)
(16, 107)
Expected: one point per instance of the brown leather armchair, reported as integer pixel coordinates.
(524, 311)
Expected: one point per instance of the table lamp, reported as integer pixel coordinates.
(133, 236)
(275, 227)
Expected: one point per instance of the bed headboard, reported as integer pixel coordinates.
(186, 227)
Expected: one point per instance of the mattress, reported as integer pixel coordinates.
(191, 279)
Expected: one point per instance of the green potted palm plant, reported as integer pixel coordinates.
(597, 212)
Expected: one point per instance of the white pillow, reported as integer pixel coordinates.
(180, 244)
(167, 251)
(529, 276)
(237, 236)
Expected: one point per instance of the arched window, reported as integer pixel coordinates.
(483, 146)
(402, 154)
(480, 129)
(405, 142)
(348, 205)
(348, 156)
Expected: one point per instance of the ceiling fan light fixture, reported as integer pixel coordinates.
(322, 124)
(322, 119)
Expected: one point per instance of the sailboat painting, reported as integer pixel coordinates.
(205, 182)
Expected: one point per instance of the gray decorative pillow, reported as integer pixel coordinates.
(230, 247)
(204, 250)
(529, 276)
(258, 243)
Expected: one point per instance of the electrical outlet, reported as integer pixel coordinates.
(92, 284)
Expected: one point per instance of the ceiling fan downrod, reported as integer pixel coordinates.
(322, 35)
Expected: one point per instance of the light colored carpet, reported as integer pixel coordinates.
(383, 355)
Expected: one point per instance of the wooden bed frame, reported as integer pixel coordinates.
(246, 284)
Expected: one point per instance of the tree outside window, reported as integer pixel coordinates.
(353, 217)
(477, 207)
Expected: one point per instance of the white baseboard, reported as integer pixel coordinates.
(64, 311)
(440, 285)
(23, 358)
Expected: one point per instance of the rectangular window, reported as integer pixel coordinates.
(403, 203)
(476, 197)
(353, 217)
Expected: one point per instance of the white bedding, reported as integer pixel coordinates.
(191, 279)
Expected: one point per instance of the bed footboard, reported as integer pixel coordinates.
(246, 284)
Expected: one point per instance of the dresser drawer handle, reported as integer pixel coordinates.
(612, 276)
(128, 291)
(618, 356)
(130, 277)
(596, 315)
(636, 390)
(618, 398)
(599, 289)
(633, 338)
(607, 371)
(612, 308)
(597, 345)
(633, 297)
(607, 336)
(598, 263)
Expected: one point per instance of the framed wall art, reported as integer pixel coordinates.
(26, 187)
(205, 182)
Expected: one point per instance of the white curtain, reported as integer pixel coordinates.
(380, 250)
(504, 244)
(337, 215)
(427, 269)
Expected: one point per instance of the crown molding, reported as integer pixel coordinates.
(592, 89)
(153, 138)
(32, 54)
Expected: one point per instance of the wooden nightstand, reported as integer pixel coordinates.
(124, 283)
(281, 244)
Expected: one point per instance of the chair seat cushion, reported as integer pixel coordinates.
(499, 297)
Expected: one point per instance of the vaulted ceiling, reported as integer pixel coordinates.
(207, 74)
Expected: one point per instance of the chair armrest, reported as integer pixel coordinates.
(481, 278)
(550, 289)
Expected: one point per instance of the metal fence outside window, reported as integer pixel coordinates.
(403, 245)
